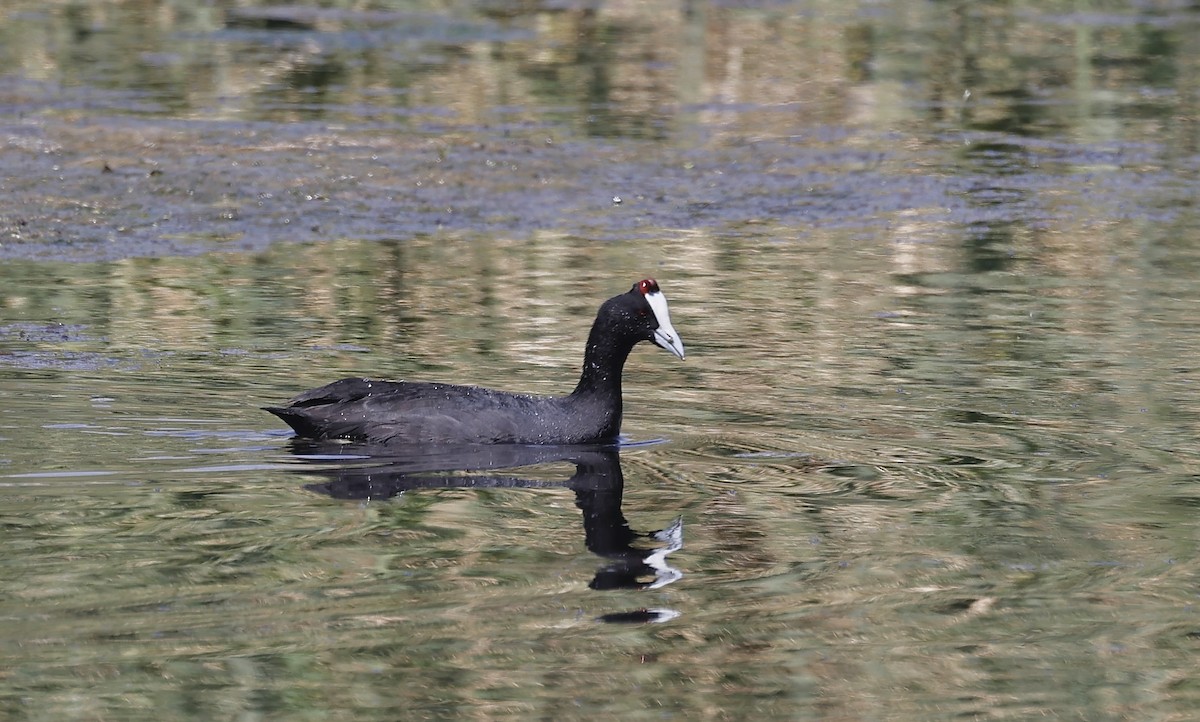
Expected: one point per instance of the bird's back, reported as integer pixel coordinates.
(409, 412)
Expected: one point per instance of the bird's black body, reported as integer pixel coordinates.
(413, 412)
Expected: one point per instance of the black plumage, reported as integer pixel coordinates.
(415, 412)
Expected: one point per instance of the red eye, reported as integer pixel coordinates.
(648, 286)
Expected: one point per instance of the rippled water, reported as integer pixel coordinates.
(932, 453)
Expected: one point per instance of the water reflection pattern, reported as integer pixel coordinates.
(937, 445)
(597, 482)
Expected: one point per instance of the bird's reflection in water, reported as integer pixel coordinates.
(597, 482)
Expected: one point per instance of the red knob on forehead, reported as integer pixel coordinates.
(648, 286)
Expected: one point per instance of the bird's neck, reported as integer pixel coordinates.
(598, 394)
(603, 363)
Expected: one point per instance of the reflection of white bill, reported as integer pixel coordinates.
(664, 573)
(662, 614)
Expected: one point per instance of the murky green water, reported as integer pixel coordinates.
(934, 447)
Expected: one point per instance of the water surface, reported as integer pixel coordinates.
(932, 453)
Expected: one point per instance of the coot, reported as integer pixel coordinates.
(413, 412)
